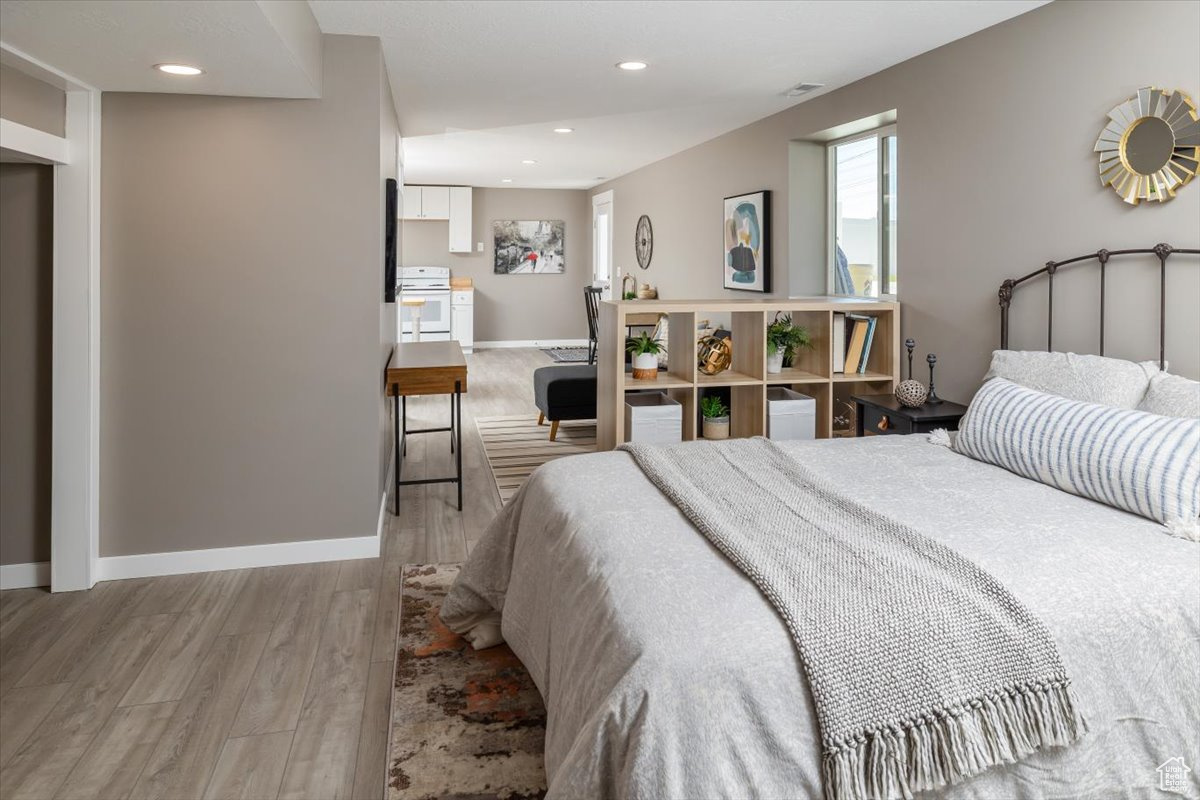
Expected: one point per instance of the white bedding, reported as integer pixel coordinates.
(666, 674)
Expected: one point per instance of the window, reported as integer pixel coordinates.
(862, 215)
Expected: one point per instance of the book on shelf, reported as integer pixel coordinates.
(839, 341)
(866, 354)
(857, 334)
(860, 335)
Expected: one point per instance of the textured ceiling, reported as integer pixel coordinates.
(479, 85)
(246, 47)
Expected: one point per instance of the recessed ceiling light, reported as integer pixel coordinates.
(179, 69)
(564, 130)
(506, 180)
(631, 66)
(529, 161)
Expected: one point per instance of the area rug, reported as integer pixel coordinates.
(567, 355)
(517, 445)
(464, 723)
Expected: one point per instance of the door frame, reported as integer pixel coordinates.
(75, 371)
(598, 200)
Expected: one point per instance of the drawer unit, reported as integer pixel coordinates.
(878, 421)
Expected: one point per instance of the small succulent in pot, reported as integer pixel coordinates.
(645, 352)
(716, 417)
(783, 340)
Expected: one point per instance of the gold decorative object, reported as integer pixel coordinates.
(1151, 146)
(714, 355)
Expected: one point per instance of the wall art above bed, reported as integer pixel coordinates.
(1151, 146)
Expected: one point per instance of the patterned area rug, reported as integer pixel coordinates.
(516, 446)
(567, 355)
(465, 723)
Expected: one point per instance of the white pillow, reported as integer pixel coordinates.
(1172, 396)
(1091, 379)
(1143, 463)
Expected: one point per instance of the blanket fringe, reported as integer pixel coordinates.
(948, 746)
(941, 437)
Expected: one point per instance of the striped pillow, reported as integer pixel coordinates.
(1139, 462)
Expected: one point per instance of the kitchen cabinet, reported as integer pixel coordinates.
(460, 219)
(426, 202)
(462, 318)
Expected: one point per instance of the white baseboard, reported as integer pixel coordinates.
(24, 576)
(148, 565)
(531, 343)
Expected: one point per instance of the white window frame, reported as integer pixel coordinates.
(884, 232)
(599, 200)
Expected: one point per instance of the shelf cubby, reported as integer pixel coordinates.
(745, 383)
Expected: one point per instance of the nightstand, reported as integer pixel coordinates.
(883, 414)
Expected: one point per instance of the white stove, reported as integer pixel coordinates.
(433, 285)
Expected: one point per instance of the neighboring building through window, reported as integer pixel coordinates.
(862, 215)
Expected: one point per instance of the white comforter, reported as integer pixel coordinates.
(666, 674)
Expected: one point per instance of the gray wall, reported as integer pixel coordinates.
(517, 307)
(240, 301)
(996, 176)
(31, 102)
(26, 282)
(389, 167)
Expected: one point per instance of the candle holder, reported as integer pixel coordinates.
(933, 399)
(910, 344)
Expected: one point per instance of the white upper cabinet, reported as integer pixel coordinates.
(452, 203)
(426, 202)
(435, 202)
(460, 219)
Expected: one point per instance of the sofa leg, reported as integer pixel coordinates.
(541, 418)
(553, 429)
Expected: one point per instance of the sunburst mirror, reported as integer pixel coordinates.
(1151, 146)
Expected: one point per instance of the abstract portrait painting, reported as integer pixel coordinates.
(529, 247)
(747, 242)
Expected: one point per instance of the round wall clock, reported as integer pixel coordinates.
(643, 241)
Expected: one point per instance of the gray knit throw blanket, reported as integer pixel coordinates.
(923, 668)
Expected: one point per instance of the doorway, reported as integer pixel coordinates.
(602, 238)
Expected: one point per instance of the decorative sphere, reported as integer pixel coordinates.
(911, 394)
(714, 355)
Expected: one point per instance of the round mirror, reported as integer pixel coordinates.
(1150, 147)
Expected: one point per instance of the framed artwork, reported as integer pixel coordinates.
(748, 242)
(529, 247)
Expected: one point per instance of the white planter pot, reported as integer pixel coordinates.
(775, 362)
(645, 366)
(715, 428)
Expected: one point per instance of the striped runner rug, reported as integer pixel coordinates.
(516, 445)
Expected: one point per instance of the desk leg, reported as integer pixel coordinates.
(396, 435)
(457, 433)
(452, 402)
(404, 425)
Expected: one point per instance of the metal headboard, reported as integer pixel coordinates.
(1161, 251)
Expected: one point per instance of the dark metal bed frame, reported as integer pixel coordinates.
(1161, 251)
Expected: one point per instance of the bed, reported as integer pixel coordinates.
(667, 674)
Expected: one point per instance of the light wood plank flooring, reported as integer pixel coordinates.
(256, 683)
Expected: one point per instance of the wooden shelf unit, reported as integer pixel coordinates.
(746, 380)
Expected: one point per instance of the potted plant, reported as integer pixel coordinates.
(783, 339)
(645, 356)
(716, 417)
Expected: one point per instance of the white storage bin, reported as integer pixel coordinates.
(790, 415)
(653, 418)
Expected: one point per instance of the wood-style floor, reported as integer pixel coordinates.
(256, 683)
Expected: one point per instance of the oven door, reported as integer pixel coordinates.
(435, 314)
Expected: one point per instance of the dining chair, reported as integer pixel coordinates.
(591, 302)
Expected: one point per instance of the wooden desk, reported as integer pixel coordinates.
(426, 368)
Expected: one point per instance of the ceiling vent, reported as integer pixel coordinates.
(802, 88)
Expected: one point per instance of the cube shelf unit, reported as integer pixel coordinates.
(746, 379)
